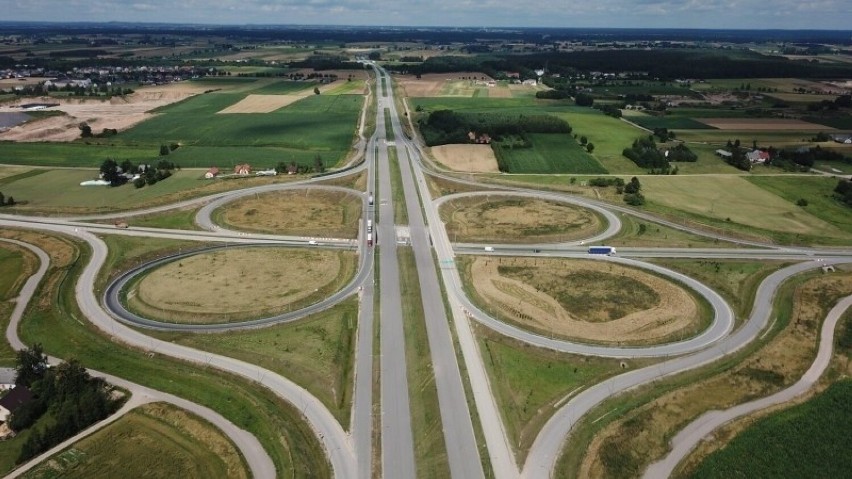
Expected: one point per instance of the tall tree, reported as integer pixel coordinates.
(30, 365)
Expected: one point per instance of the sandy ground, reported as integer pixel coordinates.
(431, 84)
(675, 311)
(762, 124)
(118, 113)
(468, 158)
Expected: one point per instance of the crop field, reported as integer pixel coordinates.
(154, 441)
(299, 213)
(807, 440)
(671, 122)
(761, 124)
(550, 153)
(316, 352)
(468, 158)
(240, 283)
(735, 199)
(581, 299)
(517, 220)
(776, 138)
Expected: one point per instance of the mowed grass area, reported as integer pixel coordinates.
(669, 121)
(529, 382)
(818, 191)
(59, 191)
(807, 440)
(762, 137)
(610, 136)
(735, 202)
(517, 220)
(155, 441)
(55, 321)
(638, 232)
(234, 284)
(16, 264)
(550, 153)
(308, 212)
(316, 352)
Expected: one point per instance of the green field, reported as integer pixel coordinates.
(153, 441)
(671, 122)
(736, 200)
(11, 269)
(550, 153)
(317, 124)
(808, 440)
(316, 352)
(529, 382)
(817, 190)
(763, 138)
(610, 136)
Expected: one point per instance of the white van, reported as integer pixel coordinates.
(489, 249)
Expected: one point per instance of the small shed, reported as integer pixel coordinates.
(213, 172)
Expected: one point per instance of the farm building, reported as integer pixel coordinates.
(244, 169)
(212, 173)
(758, 156)
(845, 139)
(724, 153)
(269, 172)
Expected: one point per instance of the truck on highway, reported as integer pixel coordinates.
(370, 199)
(369, 225)
(369, 239)
(489, 249)
(607, 250)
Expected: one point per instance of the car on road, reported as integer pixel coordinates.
(312, 243)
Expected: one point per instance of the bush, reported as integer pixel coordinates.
(634, 199)
(139, 182)
(802, 202)
(582, 99)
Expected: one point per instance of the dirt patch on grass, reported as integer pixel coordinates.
(301, 213)
(517, 220)
(581, 299)
(432, 84)
(763, 124)
(227, 285)
(467, 158)
(119, 113)
(500, 91)
(625, 447)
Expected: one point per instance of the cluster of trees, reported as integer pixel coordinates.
(644, 153)
(74, 399)
(585, 143)
(86, 131)
(664, 134)
(802, 159)
(843, 101)
(681, 152)
(443, 127)
(584, 99)
(632, 190)
(610, 110)
(166, 149)
(286, 168)
(10, 201)
(843, 190)
(118, 175)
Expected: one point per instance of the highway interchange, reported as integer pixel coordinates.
(351, 452)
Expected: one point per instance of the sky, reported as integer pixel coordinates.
(738, 14)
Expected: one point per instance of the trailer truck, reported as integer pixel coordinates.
(607, 250)
(370, 199)
(369, 239)
(369, 226)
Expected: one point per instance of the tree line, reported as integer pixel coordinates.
(74, 399)
(10, 201)
(443, 127)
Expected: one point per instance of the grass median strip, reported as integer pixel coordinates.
(400, 212)
(429, 447)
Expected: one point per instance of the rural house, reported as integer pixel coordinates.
(244, 169)
(758, 156)
(213, 172)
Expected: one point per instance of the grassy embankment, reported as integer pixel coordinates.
(56, 322)
(16, 264)
(638, 426)
(155, 441)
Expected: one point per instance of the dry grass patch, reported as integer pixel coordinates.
(763, 124)
(240, 283)
(517, 220)
(301, 213)
(261, 103)
(432, 84)
(582, 299)
(467, 158)
(625, 447)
